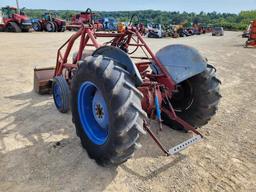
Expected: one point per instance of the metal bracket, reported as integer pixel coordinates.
(196, 138)
(185, 144)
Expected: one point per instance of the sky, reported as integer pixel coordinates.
(228, 6)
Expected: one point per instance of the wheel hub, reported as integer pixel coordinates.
(184, 97)
(99, 109)
(49, 27)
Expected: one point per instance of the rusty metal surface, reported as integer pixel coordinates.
(42, 80)
(181, 61)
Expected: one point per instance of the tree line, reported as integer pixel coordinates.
(229, 21)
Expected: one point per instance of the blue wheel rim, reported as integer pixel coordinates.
(36, 27)
(93, 113)
(57, 95)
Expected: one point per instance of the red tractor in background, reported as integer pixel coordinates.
(13, 20)
(84, 18)
(251, 42)
(50, 23)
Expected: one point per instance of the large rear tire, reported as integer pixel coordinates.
(106, 109)
(50, 26)
(13, 27)
(197, 100)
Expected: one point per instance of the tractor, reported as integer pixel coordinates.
(113, 93)
(83, 18)
(13, 20)
(50, 23)
(155, 31)
(109, 24)
(251, 42)
(139, 24)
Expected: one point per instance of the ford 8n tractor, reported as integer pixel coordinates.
(113, 92)
(12, 20)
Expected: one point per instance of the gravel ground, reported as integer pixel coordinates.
(39, 150)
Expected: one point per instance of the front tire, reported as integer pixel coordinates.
(37, 26)
(111, 139)
(61, 94)
(199, 100)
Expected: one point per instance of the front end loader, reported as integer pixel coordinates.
(113, 92)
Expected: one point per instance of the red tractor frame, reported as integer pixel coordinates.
(129, 89)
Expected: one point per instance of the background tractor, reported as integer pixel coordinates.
(109, 24)
(217, 31)
(84, 18)
(113, 92)
(13, 20)
(251, 42)
(50, 23)
(155, 31)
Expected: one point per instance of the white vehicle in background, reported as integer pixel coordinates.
(217, 31)
(155, 31)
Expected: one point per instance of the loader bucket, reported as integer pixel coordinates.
(42, 80)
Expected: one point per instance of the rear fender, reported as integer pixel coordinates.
(122, 59)
(181, 61)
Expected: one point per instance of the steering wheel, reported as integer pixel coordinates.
(88, 11)
(133, 18)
